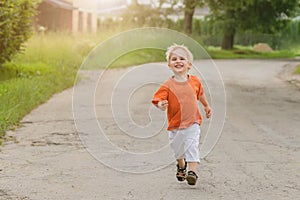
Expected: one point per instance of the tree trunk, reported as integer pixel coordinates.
(228, 41)
(229, 30)
(188, 23)
(188, 15)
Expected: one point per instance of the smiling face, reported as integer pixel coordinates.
(178, 62)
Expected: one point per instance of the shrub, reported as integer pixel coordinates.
(15, 26)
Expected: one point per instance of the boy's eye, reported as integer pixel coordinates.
(174, 59)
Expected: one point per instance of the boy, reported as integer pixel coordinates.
(179, 95)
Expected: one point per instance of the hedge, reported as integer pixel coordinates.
(15, 26)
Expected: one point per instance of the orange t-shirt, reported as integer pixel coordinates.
(183, 109)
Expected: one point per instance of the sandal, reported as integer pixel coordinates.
(181, 172)
(191, 178)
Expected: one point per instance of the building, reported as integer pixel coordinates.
(68, 15)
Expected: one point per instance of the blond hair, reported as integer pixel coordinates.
(182, 47)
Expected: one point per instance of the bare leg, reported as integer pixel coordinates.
(192, 174)
(193, 166)
(181, 170)
(181, 162)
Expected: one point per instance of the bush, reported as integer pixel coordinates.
(15, 26)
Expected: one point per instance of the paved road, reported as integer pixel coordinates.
(256, 157)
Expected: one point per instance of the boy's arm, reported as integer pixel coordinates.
(160, 98)
(206, 106)
(162, 105)
(203, 100)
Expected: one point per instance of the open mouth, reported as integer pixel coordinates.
(179, 66)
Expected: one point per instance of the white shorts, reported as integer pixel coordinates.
(185, 143)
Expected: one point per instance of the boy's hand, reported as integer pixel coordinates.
(162, 105)
(207, 110)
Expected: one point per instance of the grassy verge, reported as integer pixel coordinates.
(244, 52)
(49, 65)
(139, 57)
(157, 55)
(19, 95)
(297, 70)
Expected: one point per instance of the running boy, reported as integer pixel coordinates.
(179, 95)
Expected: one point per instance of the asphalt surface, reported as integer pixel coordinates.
(257, 156)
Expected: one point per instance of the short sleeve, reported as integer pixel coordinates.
(160, 94)
(197, 86)
(200, 91)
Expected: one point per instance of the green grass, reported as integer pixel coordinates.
(297, 70)
(49, 65)
(247, 52)
(138, 57)
(158, 55)
(19, 95)
(294, 48)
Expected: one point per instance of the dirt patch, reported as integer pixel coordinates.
(262, 47)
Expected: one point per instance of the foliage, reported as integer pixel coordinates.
(256, 15)
(208, 31)
(141, 15)
(286, 38)
(15, 26)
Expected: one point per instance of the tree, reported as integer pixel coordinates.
(260, 15)
(189, 10)
(154, 14)
(15, 26)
